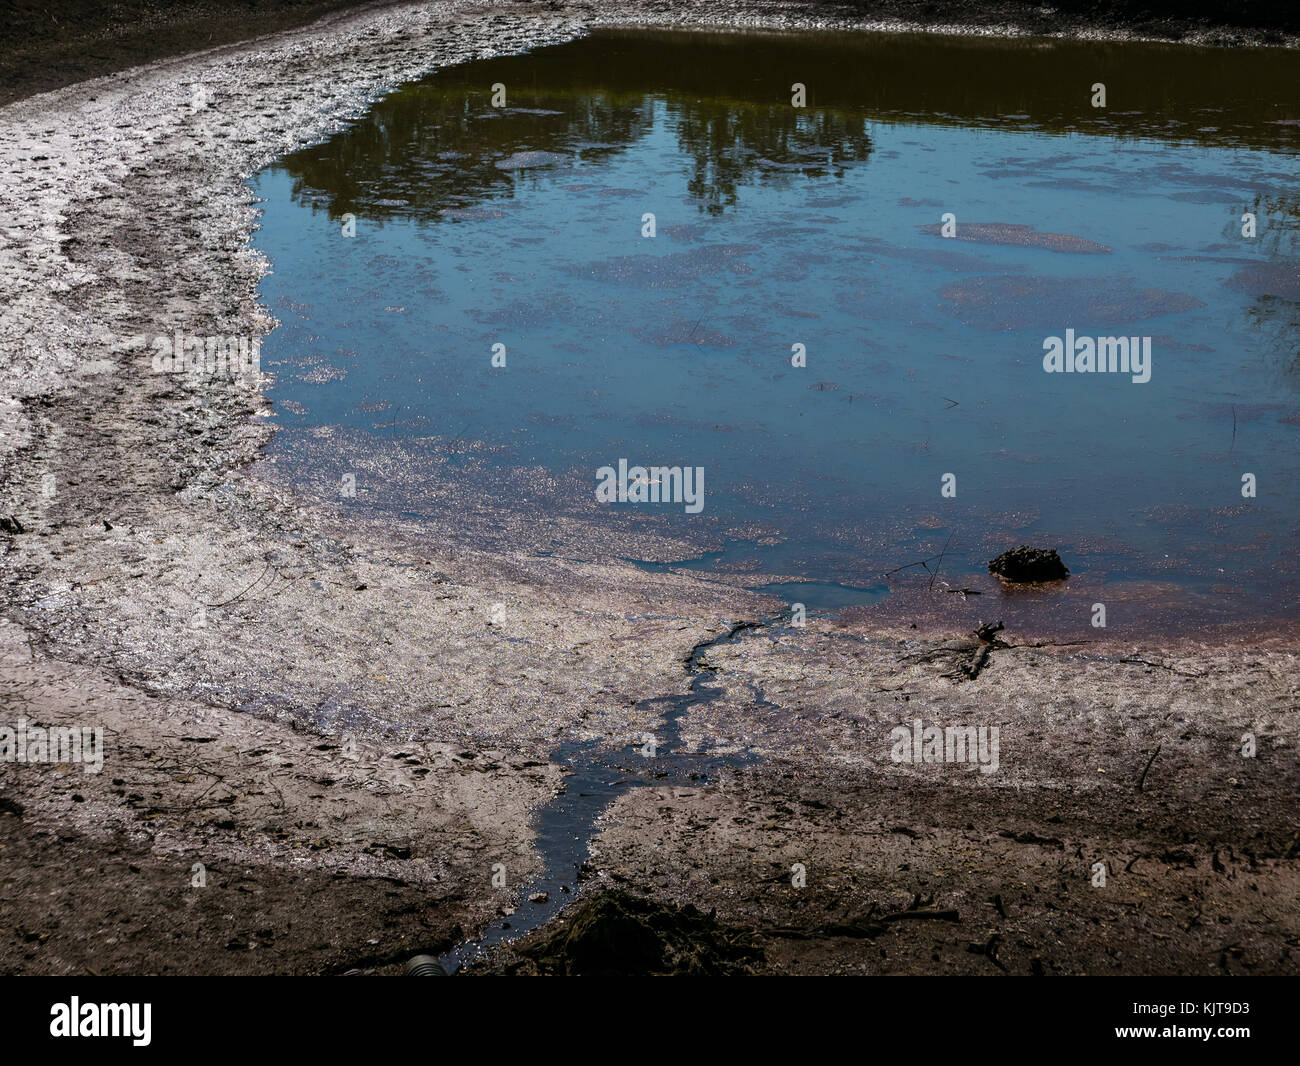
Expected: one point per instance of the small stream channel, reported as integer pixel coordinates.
(598, 776)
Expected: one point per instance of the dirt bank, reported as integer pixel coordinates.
(50, 46)
(322, 708)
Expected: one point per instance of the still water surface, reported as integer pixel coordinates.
(777, 226)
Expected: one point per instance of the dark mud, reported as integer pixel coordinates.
(50, 45)
(616, 934)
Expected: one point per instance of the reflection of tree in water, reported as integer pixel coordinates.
(424, 151)
(435, 144)
(1277, 220)
(1274, 282)
(1277, 321)
(433, 149)
(736, 146)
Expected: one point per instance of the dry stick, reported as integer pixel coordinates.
(940, 563)
(691, 336)
(924, 563)
(920, 915)
(219, 778)
(1142, 780)
(908, 566)
(234, 598)
(1163, 666)
(978, 662)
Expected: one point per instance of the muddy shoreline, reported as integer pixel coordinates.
(50, 49)
(317, 705)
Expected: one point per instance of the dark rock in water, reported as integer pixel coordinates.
(616, 934)
(11, 525)
(1029, 564)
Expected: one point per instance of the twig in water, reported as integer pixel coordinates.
(908, 566)
(923, 563)
(940, 563)
(691, 335)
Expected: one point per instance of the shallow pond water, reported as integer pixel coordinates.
(441, 226)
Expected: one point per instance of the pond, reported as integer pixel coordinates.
(862, 299)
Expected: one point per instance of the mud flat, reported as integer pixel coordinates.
(351, 726)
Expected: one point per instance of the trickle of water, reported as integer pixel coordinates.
(598, 776)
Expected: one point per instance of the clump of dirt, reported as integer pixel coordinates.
(616, 934)
(1029, 564)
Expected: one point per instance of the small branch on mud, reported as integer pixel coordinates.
(1162, 666)
(978, 663)
(242, 594)
(986, 632)
(989, 950)
(921, 915)
(862, 928)
(1142, 780)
